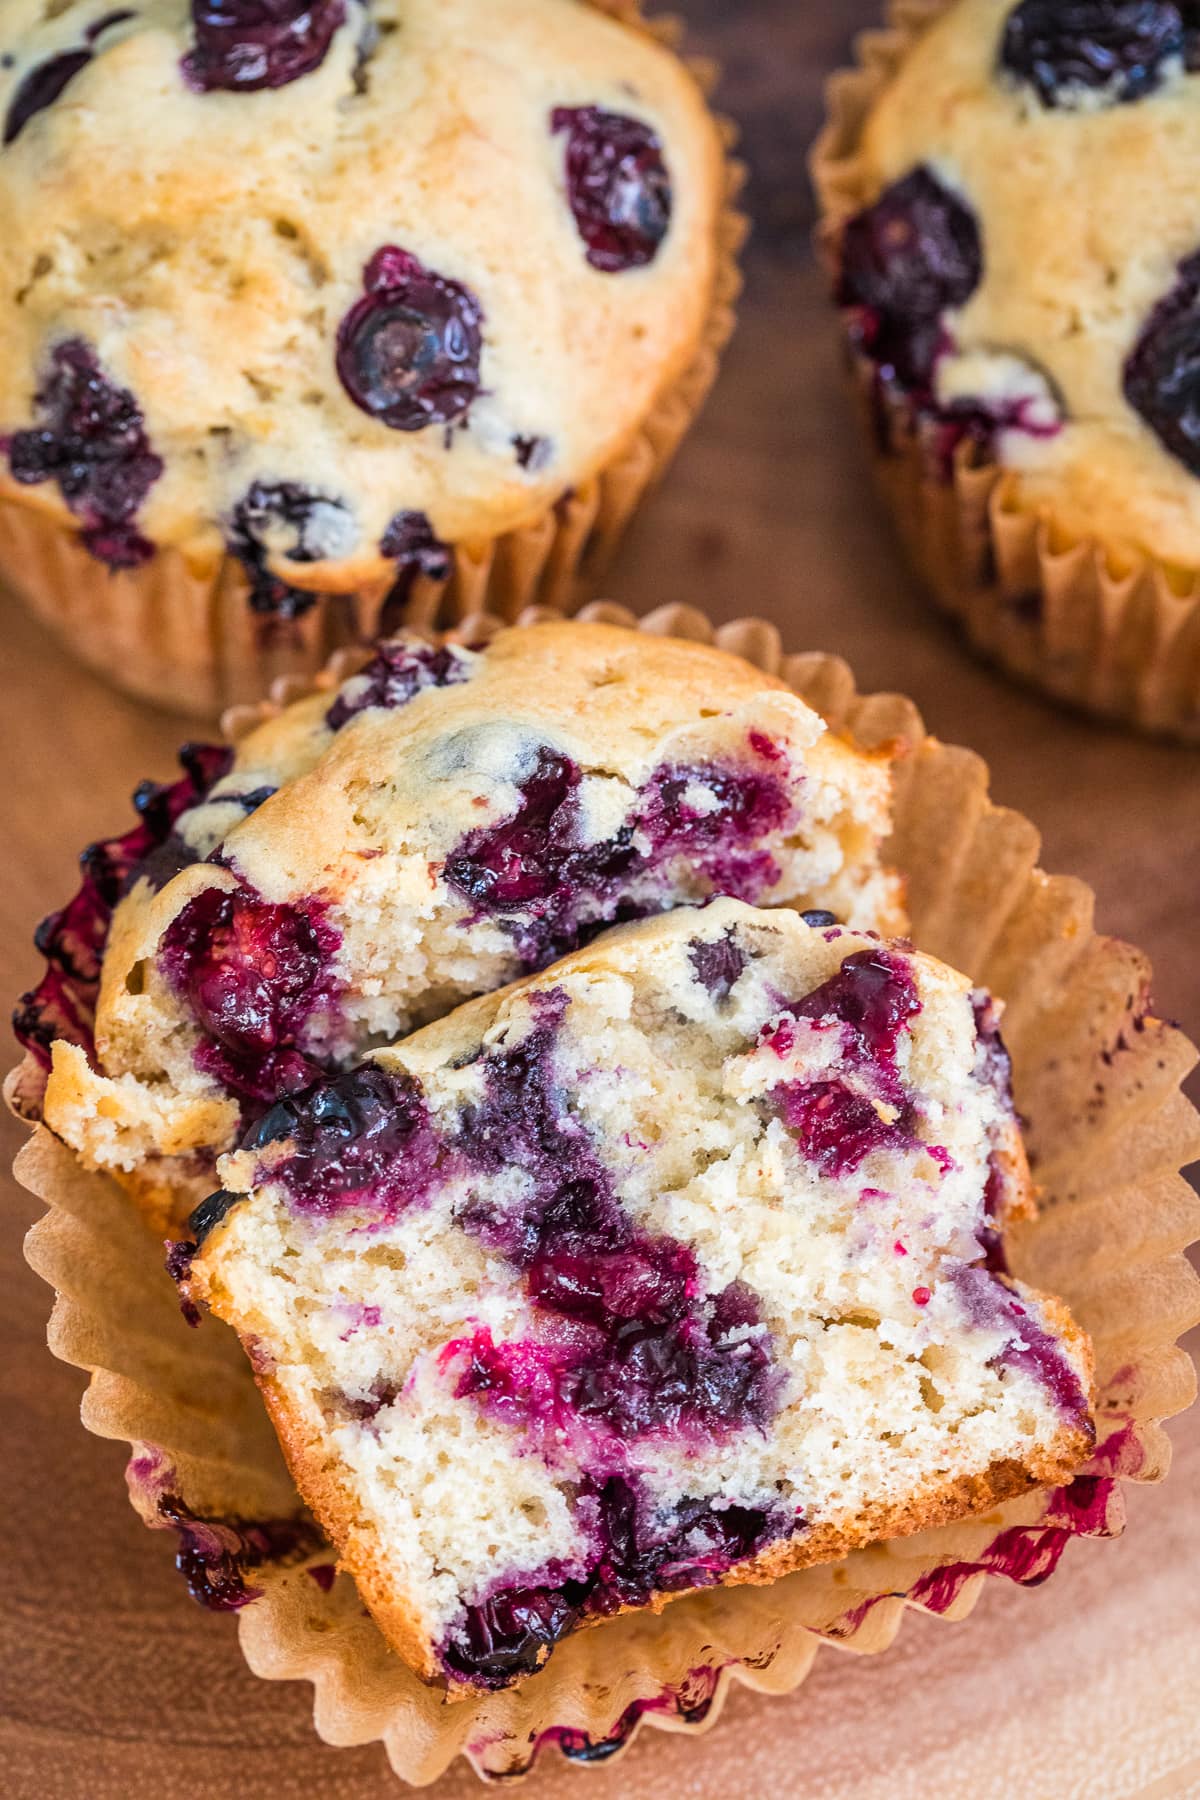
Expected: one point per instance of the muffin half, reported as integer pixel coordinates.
(445, 821)
(673, 1265)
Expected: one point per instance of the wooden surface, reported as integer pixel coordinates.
(112, 1683)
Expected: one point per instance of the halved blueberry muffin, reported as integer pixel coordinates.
(311, 305)
(445, 821)
(1016, 253)
(678, 1263)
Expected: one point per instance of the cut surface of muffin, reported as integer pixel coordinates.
(445, 822)
(1024, 266)
(677, 1263)
(329, 287)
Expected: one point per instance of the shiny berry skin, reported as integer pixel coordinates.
(41, 88)
(243, 45)
(91, 441)
(408, 351)
(1162, 372)
(906, 260)
(617, 185)
(1068, 49)
(362, 1137)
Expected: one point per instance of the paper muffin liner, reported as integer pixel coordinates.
(189, 641)
(1115, 634)
(1097, 1079)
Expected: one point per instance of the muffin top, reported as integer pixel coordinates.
(329, 285)
(1028, 266)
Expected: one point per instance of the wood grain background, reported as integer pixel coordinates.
(111, 1682)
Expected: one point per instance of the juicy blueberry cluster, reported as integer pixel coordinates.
(870, 1002)
(91, 440)
(243, 45)
(638, 1550)
(617, 185)
(255, 975)
(363, 1138)
(632, 1346)
(645, 1352)
(408, 351)
(548, 889)
(907, 259)
(1072, 51)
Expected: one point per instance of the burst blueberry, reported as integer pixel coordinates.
(253, 975)
(41, 88)
(396, 673)
(72, 940)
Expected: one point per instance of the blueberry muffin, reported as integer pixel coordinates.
(676, 1264)
(445, 821)
(313, 310)
(1016, 253)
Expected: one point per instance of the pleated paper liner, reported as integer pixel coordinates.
(189, 641)
(1098, 1080)
(1115, 635)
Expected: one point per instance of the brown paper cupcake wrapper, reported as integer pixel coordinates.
(1098, 1081)
(1118, 637)
(190, 642)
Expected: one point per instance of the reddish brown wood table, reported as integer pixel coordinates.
(113, 1683)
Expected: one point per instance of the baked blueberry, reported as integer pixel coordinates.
(91, 441)
(1162, 372)
(408, 351)
(41, 88)
(1071, 51)
(618, 186)
(244, 45)
(296, 524)
(905, 261)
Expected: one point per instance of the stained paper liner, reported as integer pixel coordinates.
(188, 640)
(1097, 1078)
(1117, 635)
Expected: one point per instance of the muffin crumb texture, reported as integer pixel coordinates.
(675, 1264)
(275, 276)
